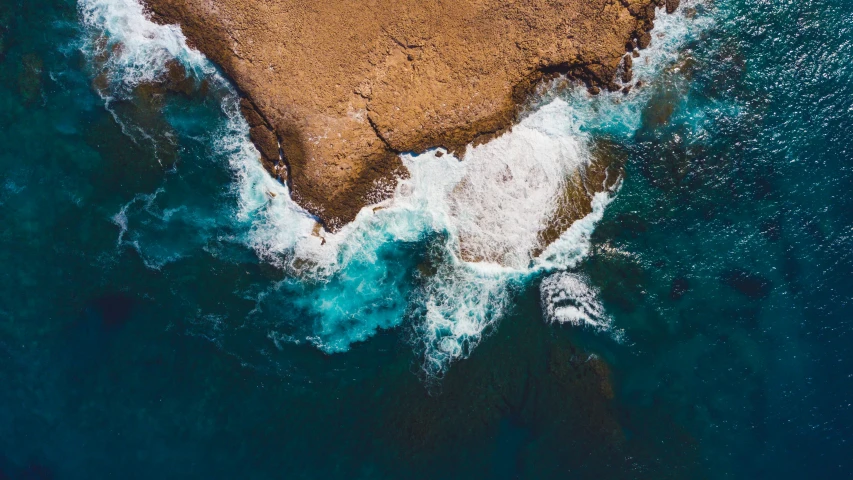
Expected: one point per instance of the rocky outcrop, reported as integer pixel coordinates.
(334, 90)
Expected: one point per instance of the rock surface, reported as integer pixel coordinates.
(335, 90)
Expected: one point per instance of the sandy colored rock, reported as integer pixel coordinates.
(345, 86)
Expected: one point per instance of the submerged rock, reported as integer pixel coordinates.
(748, 284)
(30, 78)
(680, 286)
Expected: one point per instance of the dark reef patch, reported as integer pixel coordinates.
(752, 285)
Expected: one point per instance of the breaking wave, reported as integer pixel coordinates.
(445, 251)
(568, 298)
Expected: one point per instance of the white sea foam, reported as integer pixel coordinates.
(568, 298)
(120, 218)
(490, 206)
(138, 48)
(510, 185)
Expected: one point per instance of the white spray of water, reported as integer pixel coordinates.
(138, 49)
(490, 206)
(510, 186)
(568, 298)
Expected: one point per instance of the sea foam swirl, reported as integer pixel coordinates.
(479, 219)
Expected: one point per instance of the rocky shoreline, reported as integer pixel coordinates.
(335, 91)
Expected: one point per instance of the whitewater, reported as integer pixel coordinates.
(492, 203)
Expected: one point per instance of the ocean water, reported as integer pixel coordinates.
(167, 312)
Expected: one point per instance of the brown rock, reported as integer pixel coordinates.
(265, 139)
(627, 66)
(344, 86)
(644, 40)
(672, 5)
(606, 167)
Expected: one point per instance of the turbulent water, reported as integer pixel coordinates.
(492, 204)
(168, 311)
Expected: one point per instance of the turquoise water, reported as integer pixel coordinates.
(163, 315)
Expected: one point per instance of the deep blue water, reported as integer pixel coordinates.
(149, 328)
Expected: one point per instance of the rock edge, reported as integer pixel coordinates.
(334, 91)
